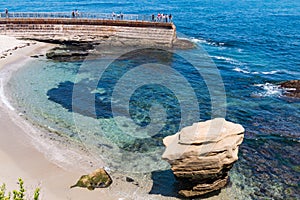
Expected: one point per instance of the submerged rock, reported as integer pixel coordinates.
(292, 88)
(183, 44)
(201, 155)
(97, 179)
(70, 52)
(65, 56)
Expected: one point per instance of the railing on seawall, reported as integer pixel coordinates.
(85, 15)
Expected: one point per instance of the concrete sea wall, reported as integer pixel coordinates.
(111, 32)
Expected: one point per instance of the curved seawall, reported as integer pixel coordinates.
(114, 32)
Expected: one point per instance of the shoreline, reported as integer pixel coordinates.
(46, 160)
(24, 154)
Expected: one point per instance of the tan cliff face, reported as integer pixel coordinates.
(202, 155)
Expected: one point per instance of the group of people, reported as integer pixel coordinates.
(159, 18)
(75, 13)
(117, 16)
(162, 17)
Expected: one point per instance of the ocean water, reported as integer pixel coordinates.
(121, 106)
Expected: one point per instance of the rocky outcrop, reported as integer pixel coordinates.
(70, 52)
(292, 88)
(97, 179)
(201, 155)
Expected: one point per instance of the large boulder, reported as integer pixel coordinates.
(201, 155)
(97, 179)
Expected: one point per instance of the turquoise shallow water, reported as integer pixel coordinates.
(254, 46)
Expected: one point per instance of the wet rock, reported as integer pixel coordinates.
(183, 44)
(67, 56)
(130, 180)
(201, 155)
(97, 179)
(292, 88)
(70, 52)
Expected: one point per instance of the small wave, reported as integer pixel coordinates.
(3, 97)
(198, 40)
(241, 70)
(245, 71)
(271, 72)
(228, 60)
(268, 90)
(223, 58)
(285, 15)
(208, 42)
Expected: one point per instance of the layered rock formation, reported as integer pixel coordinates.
(201, 155)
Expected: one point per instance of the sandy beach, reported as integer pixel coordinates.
(42, 158)
(37, 156)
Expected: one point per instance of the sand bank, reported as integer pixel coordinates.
(41, 158)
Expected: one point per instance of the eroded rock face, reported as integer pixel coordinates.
(97, 179)
(201, 155)
(292, 87)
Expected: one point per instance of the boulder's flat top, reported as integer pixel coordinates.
(204, 138)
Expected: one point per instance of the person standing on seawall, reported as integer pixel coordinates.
(76, 13)
(170, 18)
(6, 12)
(158, 17)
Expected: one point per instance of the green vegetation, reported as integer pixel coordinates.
(17, 194)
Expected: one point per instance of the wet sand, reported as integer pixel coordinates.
(23, 153)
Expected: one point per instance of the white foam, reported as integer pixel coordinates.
(198, 40)
(3, 97)
(228, 60)
(223, 58)
(290, 89)
(203, 41)
(269, 90)
(241, 70)
(271, 72)
(245, 71)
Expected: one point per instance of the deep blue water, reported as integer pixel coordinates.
(255, 45)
